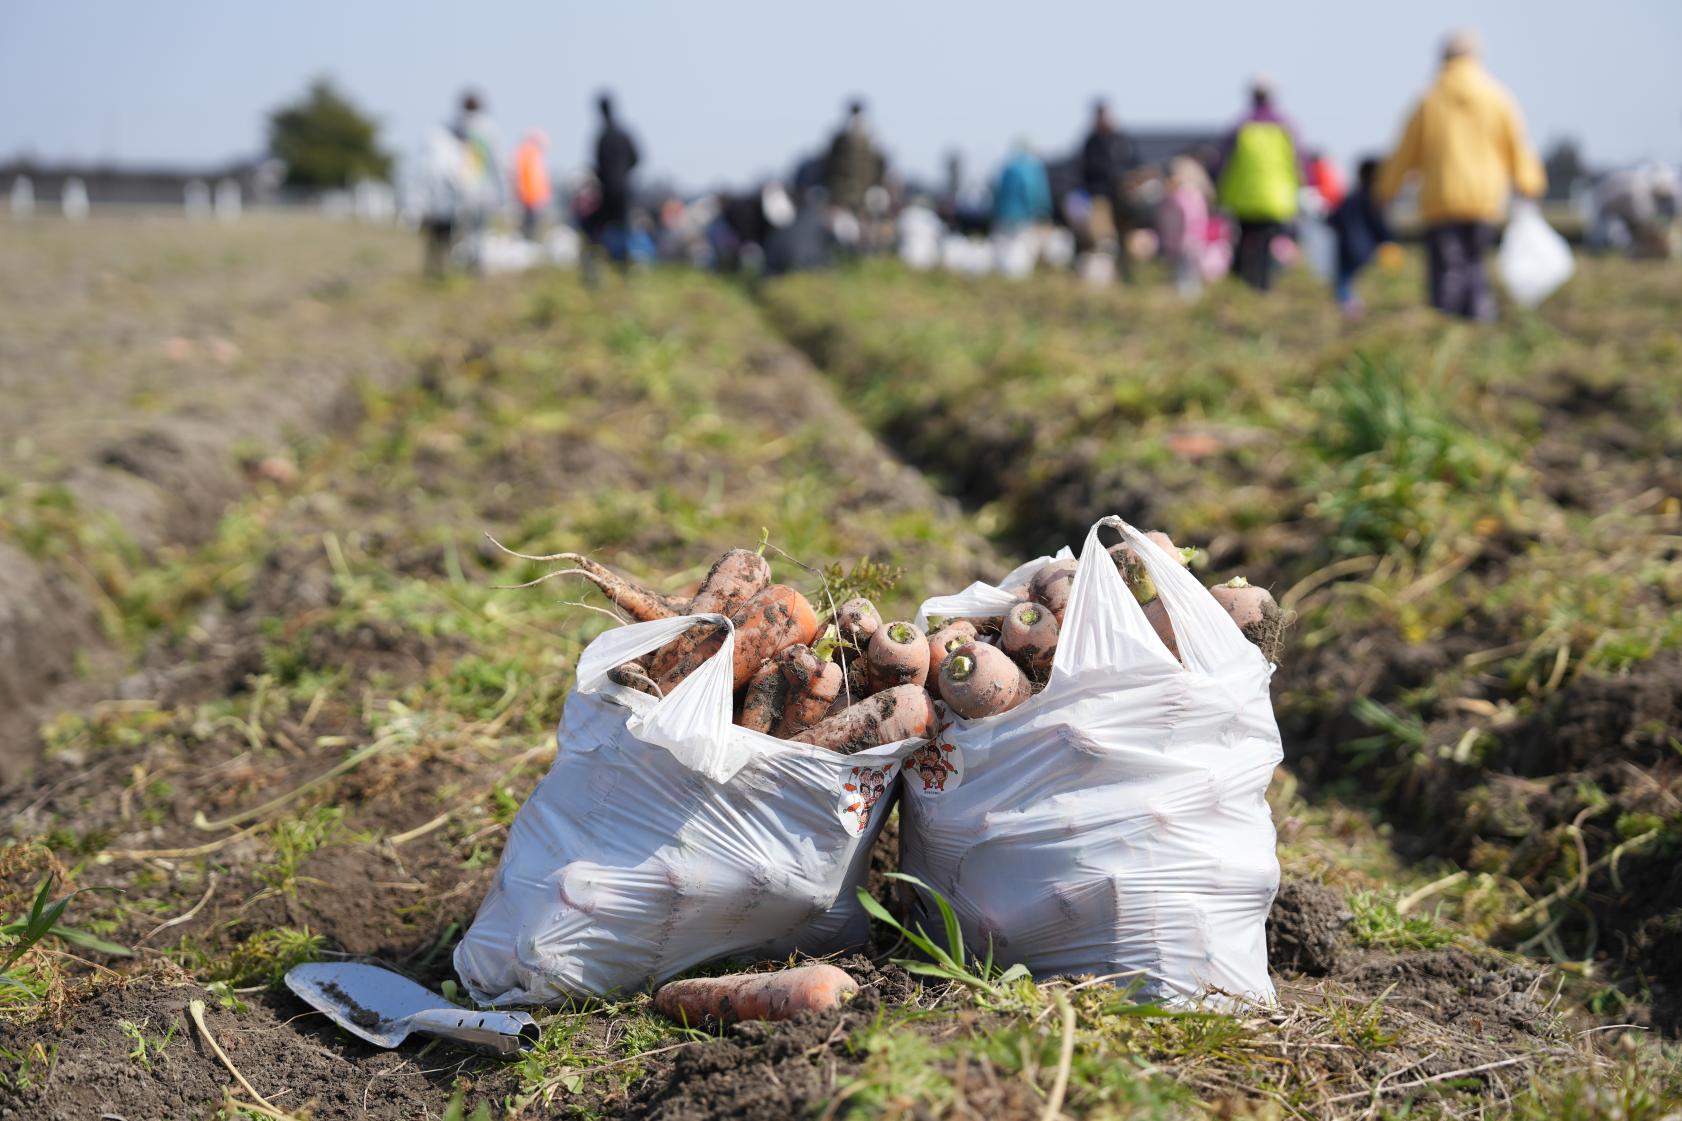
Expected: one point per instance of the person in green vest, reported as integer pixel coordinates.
(1257, 180)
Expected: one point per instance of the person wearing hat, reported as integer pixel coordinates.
(1257, 181)
(1466, 143)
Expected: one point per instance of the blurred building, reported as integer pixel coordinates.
(111, 184)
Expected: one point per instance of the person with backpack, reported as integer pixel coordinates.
(1257, 182)
(1466, 142)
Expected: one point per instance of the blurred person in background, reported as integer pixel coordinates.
(1466, 142)
(852, 166)
(531, 182)
(616, 159)
(481, 177)
(1022, 192)
(1358, 227)
(440, 189)
(1182, 223)
(1106, 156)
(1258, 181)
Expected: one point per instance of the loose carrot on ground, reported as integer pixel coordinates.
(734, 578)
(1030, 636)
(755, 996)
(1256, 614)
(898, 655)
(1051, 586)
(858, 620)
(980, 680)
(947, 639)
(644, 604)
(901, 713)
(776, 618)
(812, 686)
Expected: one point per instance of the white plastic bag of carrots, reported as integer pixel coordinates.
(665, 835)
(1114, 823)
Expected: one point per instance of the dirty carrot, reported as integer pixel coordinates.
(1253, 609)
(1051, 586)
(1030, 636)
(980, 680)
(734, 578)
(858, 620)
(812, 684)
(947, 639)
(765, 698)
(1133, 569)
(755, 996)
(776, 618)
(902, 713)
(897, 655)
(1157, 616)
(643, 604)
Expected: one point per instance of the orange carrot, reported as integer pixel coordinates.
(1256, 614)
(811, 686)
(783, 995)
(1133, 570)
(1030, 636)
(898, 655)
(765, 698)
(947, 639)
(858, 620)
(735, 578)
(902, 713)
(980, 680)
(1051, 586)
(776, 618)
(643, 604)
(1157, 616)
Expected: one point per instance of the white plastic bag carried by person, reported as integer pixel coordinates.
(665, 836)
(1114, 824)
(1534, 259)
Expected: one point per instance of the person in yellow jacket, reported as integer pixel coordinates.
(1466, 142)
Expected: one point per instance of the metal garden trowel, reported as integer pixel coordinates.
(384, 1007)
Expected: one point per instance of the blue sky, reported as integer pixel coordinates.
(727, 90)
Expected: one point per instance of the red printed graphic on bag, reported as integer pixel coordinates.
(861, 791)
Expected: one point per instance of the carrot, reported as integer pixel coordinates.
(1253, 609)
(632, 675)
(903, 712)
(811, 686)
(1030, 636)
(643, 604)
(776, 618)
(1133, 570)
(980, 680)
(898, 655)
(947, 639)
(755, 996)
(858, 620)
(1157, 616)
(685, 654)
(734, 578)
(1051, 585)
(765, 698)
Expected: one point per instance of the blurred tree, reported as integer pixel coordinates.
(326, 141)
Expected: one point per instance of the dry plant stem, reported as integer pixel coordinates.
(196, 1010)
(185, 916)
(1065, 1056)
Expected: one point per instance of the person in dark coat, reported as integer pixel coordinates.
(853, 164)
(616, 158)
(1105, 159)
(1357, 223)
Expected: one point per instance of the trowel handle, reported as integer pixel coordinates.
(500, 1033)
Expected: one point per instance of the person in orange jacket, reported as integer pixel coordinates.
(1466, 142)
(531, 182)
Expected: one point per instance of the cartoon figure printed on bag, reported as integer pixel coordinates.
(867, 785)
(935, 761)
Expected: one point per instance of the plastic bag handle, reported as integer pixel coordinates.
(1205, 633)
(693, 721)
(1103, 625)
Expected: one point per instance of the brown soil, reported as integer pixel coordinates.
(1306, 929)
